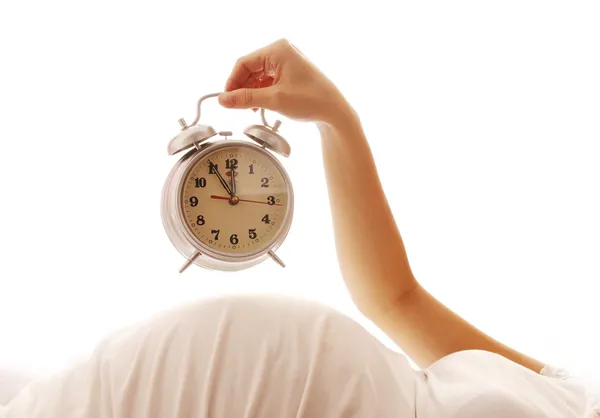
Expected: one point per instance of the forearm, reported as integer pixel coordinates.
(370, 250)
(427, 331)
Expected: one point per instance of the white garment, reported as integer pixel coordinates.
(249, 356)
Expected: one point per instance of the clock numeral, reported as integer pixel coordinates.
(251, 167)
(266, 219)
(200, 220)
(231, 164)
(201, 182)
(252, 233)
(216, 232)
(265, 182)
(271, 200)
(234, 239)
(212, 168)
(193, 201)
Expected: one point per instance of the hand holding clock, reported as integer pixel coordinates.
(280, 78)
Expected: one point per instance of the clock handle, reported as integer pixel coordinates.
(182, 122)
(275, 126)
(184, 125)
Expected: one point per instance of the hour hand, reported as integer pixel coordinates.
(220, 177)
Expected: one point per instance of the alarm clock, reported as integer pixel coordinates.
(227, 204)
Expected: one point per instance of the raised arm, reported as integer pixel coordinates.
(375, 267)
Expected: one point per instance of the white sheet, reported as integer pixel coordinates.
(279, 357)
(11, 383)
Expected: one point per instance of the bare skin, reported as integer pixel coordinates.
(381, 283)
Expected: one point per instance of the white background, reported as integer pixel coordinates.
(483, 118)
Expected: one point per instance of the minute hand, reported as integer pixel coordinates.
(233, 188)
(220, 177)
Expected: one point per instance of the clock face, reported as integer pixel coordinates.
(235, 200)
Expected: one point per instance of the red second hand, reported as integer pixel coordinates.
(212, 196)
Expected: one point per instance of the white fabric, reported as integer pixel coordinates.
(593, 404)
(11, 383)
(251, 356)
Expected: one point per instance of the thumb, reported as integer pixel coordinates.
(246, 98)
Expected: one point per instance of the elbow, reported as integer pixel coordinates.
(382, 302)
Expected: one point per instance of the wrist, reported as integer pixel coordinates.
(341, 117)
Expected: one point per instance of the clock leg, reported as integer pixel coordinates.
(277, 259)
(190, 261)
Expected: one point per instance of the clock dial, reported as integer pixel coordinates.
(235, 200)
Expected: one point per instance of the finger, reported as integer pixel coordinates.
(296, 48)
(257, 62)
(247, 98)
(264, 81)
(251, 80)
(258, 81)
(254, 81)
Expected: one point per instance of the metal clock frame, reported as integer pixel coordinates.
(172, 212)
